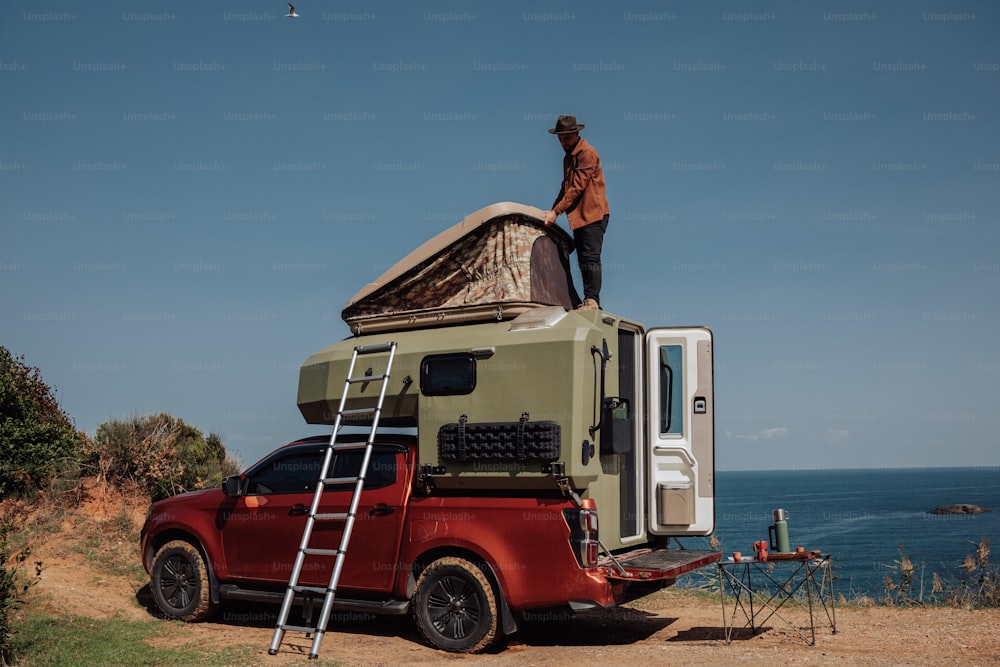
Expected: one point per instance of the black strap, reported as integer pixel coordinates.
(461, 437)
(520, 436)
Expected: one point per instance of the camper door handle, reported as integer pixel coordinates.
(298, 510)
(381, 510)
(599, 401)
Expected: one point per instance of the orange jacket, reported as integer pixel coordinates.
(582, 195)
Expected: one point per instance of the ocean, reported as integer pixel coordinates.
(861, 517)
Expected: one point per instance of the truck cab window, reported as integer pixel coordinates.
(381, 470)
(298, 473)
(295, 473)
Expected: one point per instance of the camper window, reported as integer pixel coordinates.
(448, 374)
(671, 386)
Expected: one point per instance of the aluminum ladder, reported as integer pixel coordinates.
(340, 553)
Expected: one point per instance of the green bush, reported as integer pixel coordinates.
(35, 434)
(160, 454)
(12, 585)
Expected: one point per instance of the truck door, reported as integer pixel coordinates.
(371, 555)
(680, 428)
(262, 532)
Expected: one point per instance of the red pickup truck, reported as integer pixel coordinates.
(466, 566)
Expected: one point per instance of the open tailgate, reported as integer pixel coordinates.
(656, 564)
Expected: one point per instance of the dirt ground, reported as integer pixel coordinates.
(669, 627)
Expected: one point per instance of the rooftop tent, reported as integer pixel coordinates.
(495, 264)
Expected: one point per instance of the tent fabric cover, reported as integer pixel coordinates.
(507, 259)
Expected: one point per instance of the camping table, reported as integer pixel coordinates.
(775, 588)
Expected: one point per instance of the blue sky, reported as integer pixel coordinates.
(190, 192)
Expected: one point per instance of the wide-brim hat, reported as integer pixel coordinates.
(566, 125)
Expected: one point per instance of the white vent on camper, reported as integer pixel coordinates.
(538, 318)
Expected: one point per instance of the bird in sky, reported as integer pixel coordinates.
(291, 11)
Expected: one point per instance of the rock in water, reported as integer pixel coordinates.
(961, 508)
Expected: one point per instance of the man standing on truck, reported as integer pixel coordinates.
(582, 198)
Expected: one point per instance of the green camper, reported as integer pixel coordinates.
(513, 391)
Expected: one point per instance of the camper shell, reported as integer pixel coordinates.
(513, 392)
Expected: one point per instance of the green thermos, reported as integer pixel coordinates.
(779, 532)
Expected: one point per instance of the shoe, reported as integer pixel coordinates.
(588, 304)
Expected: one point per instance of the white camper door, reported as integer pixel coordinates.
(680, 429)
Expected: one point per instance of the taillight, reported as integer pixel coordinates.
(592, 552)
(588, 522)
(583, 535)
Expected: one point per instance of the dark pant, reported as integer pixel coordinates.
(588, 241)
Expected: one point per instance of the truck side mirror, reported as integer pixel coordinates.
(232, 486)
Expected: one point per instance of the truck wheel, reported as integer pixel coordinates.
(455, 607)
(180, 582)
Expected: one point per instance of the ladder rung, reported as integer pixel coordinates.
(309, 589)
(300, 628)
(372, 349)
(337, 516)
(348, 446)
(358, 411)
(321, 552)
(340, 480)
(368, 378)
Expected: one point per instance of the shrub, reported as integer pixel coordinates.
(980, 587)
(908, 589)
(160, 454)
(12, 585)
(35, 434)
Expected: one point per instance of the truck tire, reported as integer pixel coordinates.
(455, 607)
(180, 582)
